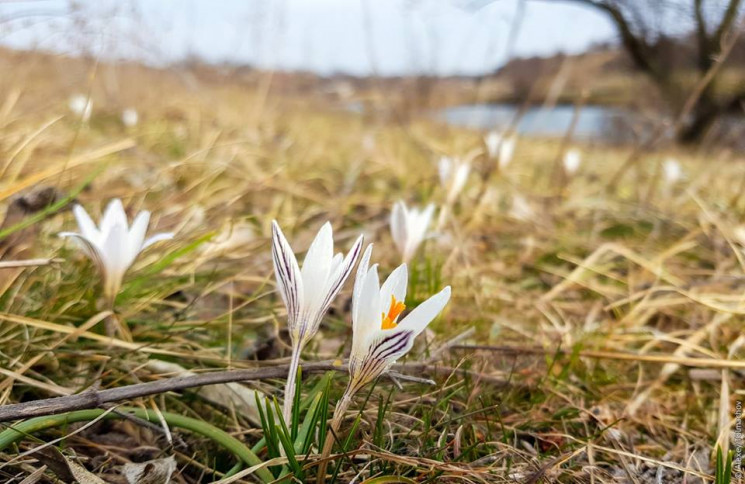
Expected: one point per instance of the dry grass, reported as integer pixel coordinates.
(621, 310)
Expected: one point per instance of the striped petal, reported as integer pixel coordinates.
(340, 274)
(287, 272)
(382, 352)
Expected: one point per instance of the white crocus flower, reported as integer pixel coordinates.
(672, 171)
(378, 338)
(409, 227)
(130, 118)
(308, 293)
(453, 175)
(81, 106)
(572, 161)
(507, 151)
(492, 142)
(113, 246)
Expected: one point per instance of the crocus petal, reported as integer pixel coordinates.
(444, 170)
(422, 315)
(380, 353)
(460, 178)
(492, 141)
(289, 278)
(359, 280)
(116, 259)
(368, 308)
(86, 225)
(339, 275)
(420, 225)
(90, 249)
(398, 226)
(316, 269)
(394, 286)
(137, 232)
(113, 215)
(157, 238)
(506, 151)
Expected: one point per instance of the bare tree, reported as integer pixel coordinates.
(663, 36)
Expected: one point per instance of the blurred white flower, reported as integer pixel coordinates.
(453, 175)
(521, 208)
(378, 338)
(81, 106)
(492, 141)
(672, 170)
(507, 151)
(130, 118)
(572, 161)
(113, 246)
(308, 293)
(409, 227)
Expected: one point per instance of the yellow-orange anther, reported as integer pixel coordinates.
(396, 308)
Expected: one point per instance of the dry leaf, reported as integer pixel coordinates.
(65, 468)
(156, 471)
(35, 476)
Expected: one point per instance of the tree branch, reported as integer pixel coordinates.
(635, 45)
(728, 19)
(704, 57)
(97, 398)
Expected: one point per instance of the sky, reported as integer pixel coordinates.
(360, 37)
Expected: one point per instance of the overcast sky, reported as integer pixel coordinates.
(386, 37)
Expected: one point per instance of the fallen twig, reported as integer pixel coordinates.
(97, 398)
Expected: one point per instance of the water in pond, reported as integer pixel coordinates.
(595, 123)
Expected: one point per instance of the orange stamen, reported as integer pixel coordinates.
(394, 311)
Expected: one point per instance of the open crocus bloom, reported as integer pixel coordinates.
(113, 246)
(308, 293)
(453, 175)
(572, 160)
(409, 227)
(379, 338)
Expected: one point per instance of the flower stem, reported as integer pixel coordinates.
(339, 411)
(291, 384)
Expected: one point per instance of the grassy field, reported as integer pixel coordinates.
(594, 333)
